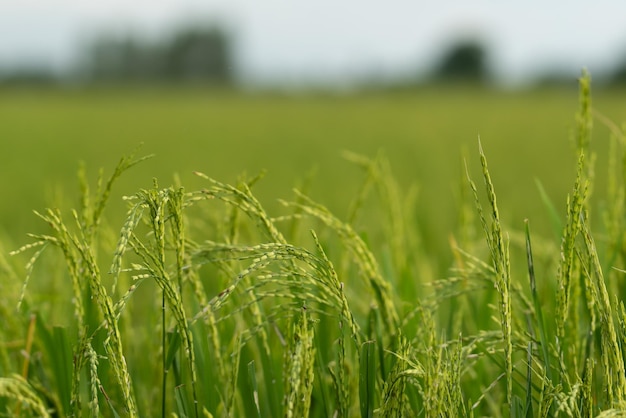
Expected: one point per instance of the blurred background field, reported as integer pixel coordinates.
(298, 139)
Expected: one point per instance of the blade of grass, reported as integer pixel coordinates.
(255, 389)
(62, 366)
(367, 378)
(17, 388)
(543, 339)
(181, 402)
(499, 250)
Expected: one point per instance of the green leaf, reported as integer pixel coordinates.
(172, 349)
(254, 386)
(62, 366)
(367, 378)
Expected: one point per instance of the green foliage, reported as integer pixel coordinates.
(466, 61)
(215, 306)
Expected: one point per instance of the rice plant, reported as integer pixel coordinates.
(203, 303)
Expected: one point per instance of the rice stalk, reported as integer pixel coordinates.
(365, 260)
(395, 401)
(79, 253)
(299, 369)
(81, 265)
(91, 223)
(587, 400)
(318, 277)
(312, 279)
(241, 199)
(335, 287)
(566, 269)
(397, 211)
(611, 349)
(133, 218)
(18, 389)
(441, 382)
(155, 265)
(499, 248)
(29, 265)
(300, 283)
(86, 355)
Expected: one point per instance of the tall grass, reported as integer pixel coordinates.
(214, 307)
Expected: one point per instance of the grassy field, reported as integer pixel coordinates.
(393, 285)
(44, 135)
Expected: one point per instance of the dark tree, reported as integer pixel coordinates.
(196, 54)
(465, 61)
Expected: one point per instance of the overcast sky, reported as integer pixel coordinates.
(300, 40)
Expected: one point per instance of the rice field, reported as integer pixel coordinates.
(388, 263)
(425, 134)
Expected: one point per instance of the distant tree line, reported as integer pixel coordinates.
(191, 54)
(205, 54)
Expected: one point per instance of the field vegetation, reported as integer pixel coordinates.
(493, 288)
